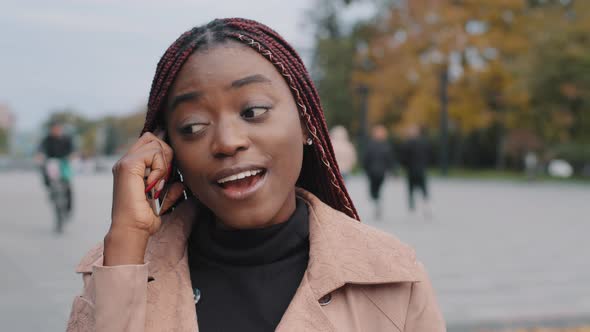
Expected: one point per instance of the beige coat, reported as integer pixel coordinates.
(358, 279)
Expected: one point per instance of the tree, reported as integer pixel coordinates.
(512, 74)
(4, 141)
(334, 62)
(118, 133)
(558, 77)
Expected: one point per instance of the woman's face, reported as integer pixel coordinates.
(236, 134)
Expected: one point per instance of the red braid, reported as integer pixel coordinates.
(319, 173)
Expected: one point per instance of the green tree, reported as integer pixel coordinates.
(334, 61)
(558, 77)
(4, 141)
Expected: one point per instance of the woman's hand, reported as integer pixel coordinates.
(133, 219)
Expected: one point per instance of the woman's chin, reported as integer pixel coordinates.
(243, 220)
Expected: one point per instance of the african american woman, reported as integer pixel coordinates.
(256, 230)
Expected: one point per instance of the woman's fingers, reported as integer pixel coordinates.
(150, 139)
(167, 152)
(148, 161)
(152, 161)
(159, 169)
(146, 138)
(171, 196)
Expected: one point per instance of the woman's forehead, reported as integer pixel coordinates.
(223, 64)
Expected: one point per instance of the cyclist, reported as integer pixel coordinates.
(57, 145)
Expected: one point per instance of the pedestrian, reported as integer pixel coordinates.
(256, 231)
(377, 160)
(531, 165)
(343, 150)
(415, 160)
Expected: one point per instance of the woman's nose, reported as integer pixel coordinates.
(230, 137)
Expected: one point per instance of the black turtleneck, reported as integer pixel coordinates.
(247, 278)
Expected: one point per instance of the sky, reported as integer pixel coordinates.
(99, 57)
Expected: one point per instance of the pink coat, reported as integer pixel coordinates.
(358, 279)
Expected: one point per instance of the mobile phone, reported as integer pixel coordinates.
(174, 177)
(157, 203)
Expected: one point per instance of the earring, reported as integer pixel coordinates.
(309, 141)
(182, 180)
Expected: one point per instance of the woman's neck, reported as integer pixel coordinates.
(282, 215)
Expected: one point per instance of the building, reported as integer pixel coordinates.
(7, 118)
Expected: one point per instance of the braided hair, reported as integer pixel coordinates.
(319, 172)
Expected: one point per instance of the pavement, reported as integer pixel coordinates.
(500, 254)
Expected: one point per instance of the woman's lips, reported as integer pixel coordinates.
(243, 188)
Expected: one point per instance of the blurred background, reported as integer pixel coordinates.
(485, 106)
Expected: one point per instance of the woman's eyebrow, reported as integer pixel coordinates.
(183, 97)
(256, 78)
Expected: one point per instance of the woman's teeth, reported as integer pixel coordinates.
(239, 176)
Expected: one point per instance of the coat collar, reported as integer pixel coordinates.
(345, 251)
(342, 250)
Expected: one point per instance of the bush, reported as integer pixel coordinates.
(576, 154)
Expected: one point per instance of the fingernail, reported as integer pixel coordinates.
(161, 185)
(159, 189)
(151, 186)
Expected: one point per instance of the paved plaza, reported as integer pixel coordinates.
(497, 252)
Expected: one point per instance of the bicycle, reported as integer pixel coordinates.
(57, 171)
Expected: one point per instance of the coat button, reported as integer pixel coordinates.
(325, 300)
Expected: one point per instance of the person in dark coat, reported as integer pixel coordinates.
(415, 161)
(377, 160)
(56, 145)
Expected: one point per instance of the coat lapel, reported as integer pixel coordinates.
(343, 251)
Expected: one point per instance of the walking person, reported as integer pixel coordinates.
(229, 213)
(377, 160)
(531, 165)
(415, 161)
(343, 150)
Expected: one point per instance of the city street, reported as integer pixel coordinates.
(497, 252)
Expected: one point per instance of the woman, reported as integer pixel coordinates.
(343, 150)
(268, 237)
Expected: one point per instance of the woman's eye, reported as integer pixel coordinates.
(254, 112)
(193, 128)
